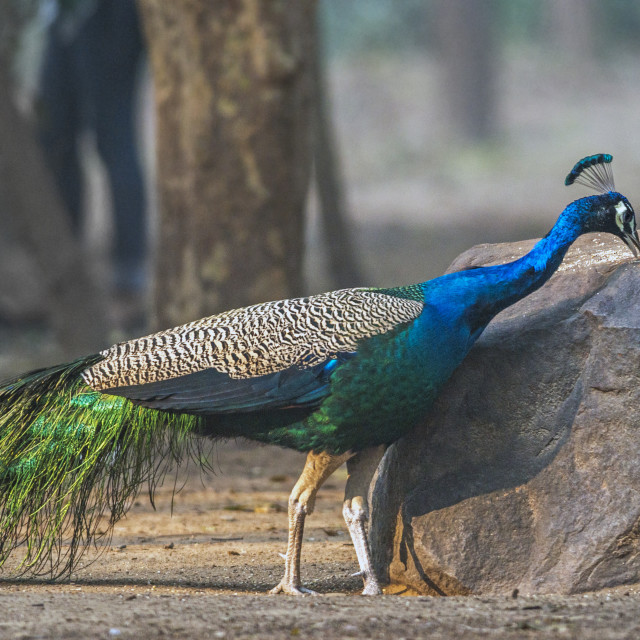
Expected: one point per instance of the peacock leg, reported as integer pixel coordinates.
(355, 510)
(317, 468)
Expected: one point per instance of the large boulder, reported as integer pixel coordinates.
(526, 474)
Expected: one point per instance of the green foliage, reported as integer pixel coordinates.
(521, 20)
(362, 26)
(384, 26)
(617, 23)
(71, 462)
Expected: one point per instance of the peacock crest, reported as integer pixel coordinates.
(593, 172)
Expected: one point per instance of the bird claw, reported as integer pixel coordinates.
(372, 588)
(292, 590)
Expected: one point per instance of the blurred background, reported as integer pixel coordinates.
(433, 125)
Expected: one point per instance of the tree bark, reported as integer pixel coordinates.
(233, 107)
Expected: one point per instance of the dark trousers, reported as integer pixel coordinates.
(88, 82)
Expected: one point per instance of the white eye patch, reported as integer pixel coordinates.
(624, 217)
(621, 208)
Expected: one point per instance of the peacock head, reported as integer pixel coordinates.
(609, 211)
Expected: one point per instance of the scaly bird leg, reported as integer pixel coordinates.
(317, 468)
(355, 510)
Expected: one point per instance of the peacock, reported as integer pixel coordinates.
(340, 375)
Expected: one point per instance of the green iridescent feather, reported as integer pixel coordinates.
(71, 462)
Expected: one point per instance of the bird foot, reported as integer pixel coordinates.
(292, 590)
(372, 588)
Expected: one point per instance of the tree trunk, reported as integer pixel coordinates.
(232, 90)
(467, 43)
(338, 238)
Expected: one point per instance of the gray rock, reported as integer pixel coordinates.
(527, 472)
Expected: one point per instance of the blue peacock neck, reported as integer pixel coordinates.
(532, 270)
(479, 294)
(506, 284)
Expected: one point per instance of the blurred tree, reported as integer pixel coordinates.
(30, 207)
(343, 265)
(233, 107)
(467, 43)
(571, 28)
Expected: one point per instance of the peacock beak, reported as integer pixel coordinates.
(631, 240)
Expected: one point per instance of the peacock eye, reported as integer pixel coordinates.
(624, 213)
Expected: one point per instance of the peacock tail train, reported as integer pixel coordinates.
(72, 460)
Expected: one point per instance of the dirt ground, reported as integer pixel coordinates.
(205, 572)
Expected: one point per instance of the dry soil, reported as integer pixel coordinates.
(205, 572)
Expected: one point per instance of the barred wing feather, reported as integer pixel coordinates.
(271, 355)
(210, 392)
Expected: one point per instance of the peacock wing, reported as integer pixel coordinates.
(275, 354)
(213, 392)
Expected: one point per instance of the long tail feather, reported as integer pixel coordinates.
(72, 460)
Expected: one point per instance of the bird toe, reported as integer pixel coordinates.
(292, 590)
(372, 589)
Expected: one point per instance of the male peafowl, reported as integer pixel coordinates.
(339, 375)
